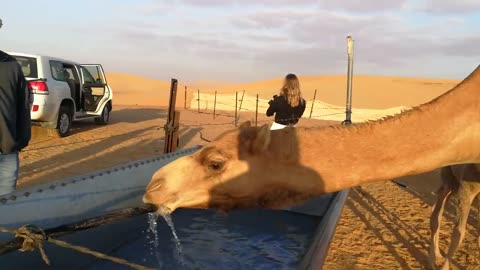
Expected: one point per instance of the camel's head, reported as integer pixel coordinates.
(223, 174)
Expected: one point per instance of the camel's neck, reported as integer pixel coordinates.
(444, 132)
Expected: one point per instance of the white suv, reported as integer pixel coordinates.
(65, 91)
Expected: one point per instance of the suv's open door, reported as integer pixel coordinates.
(95, 89)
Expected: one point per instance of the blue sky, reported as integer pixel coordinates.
(248, 40)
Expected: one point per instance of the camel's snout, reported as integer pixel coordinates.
(154, 191)
(145, 200)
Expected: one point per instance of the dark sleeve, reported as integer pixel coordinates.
(303, 104)
(273, 107)
(23, 111)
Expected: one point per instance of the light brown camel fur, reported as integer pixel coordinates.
(462, 180)
(256, 167)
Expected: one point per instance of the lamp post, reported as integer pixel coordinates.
(348, 110)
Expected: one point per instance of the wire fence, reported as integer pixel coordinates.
(239, 102)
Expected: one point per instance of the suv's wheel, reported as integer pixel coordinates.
(104, 117)
(64, 121)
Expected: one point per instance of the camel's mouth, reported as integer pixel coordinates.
(166, 206)
(161, 209)
(151, 207)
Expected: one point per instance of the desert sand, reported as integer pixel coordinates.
(383, 225)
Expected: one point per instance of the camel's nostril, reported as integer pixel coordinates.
(156, 184)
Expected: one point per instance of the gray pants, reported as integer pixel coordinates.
(8, 172)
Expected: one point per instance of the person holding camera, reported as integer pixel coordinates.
(289, 105)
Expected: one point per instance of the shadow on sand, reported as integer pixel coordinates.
(425, 186)
(134, 115)
(95, 156)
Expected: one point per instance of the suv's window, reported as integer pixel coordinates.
(96, 74)
(87, 76)
(72, 72)
(28, 65)
(57, 70)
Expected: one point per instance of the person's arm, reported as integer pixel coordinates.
(303, 105)
(273, 106)
(23, 111)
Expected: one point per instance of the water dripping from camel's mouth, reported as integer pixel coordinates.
(152, 222)
(152, 219)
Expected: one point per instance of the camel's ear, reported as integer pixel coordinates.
(246, 124)
(262, 140)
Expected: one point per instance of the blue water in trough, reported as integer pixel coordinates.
(241, 240)
(253, 239)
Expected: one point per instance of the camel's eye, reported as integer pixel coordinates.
(215, 165)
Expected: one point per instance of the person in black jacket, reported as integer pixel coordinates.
(15, 130)
(289, 106)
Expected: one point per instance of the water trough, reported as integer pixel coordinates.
(307, 228)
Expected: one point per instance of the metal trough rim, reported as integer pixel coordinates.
(318, 250)
(24, 193)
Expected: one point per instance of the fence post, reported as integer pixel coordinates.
(256, 113)
(198, 100)
(236, 104)
(313, 101)
(175, 138)
(214, 104)
(185, 101)
(171, 127)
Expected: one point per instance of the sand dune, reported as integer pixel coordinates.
(133, 90)
(370, 92)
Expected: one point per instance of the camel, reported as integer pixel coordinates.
(464, 181)
(255, 167)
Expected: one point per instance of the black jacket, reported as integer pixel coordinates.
(284, 113)
(14, 106)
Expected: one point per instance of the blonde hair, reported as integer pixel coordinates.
(291, 90)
